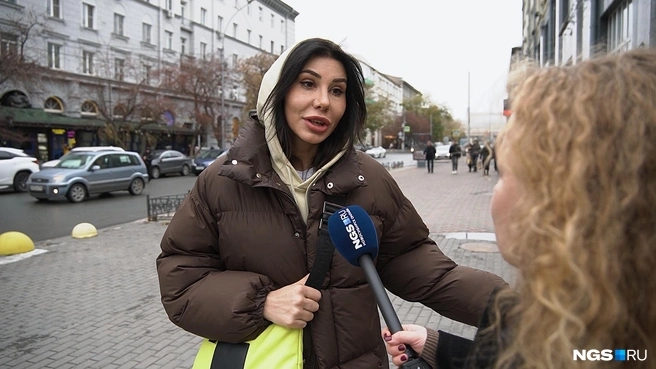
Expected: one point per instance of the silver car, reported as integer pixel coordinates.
(81, 174)
(169, 161)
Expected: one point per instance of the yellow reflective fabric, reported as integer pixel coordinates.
(276, 347)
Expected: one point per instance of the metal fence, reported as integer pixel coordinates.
(163, 206)
(392, 165)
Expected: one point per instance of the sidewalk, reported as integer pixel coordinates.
(94, 303)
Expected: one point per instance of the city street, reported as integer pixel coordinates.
(42, 221)
(94, 303)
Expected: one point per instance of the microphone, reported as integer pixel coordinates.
(354, 235)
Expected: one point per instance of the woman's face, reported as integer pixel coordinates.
(505, 197)
(316, 102)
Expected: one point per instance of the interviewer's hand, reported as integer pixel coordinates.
(412, 335)
(292, 306)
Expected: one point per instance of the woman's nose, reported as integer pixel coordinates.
(321, 100)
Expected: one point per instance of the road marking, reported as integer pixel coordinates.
(19, 257)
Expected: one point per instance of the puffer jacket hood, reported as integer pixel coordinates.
(281, 164)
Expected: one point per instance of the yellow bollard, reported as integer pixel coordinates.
(84, 230)
(15, 243)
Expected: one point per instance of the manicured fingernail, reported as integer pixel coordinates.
(401, 347)
(387, 338)
(404, 358)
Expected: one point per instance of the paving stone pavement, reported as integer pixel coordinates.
(94, 303)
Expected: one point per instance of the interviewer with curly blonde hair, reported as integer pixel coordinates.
(575, 212)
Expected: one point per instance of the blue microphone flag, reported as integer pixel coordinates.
(353, 233)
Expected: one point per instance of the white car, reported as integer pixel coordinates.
(53, 163)
(15, 168)
(377, 152)
(442, 152)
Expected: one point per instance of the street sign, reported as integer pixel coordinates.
(406, 129)
(456, 134)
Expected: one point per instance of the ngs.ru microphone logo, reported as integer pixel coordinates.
(608, 355)
(352, 228)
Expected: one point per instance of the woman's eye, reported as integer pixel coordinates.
(307, 84)
(337, 91)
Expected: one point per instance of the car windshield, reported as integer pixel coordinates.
(74, 160)
(209, 154)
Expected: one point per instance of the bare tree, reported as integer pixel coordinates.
(18, 67)
(252, 72)
(199, 80)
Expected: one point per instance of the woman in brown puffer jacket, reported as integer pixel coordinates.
(236, 254)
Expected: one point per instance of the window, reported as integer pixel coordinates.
(8, 44)
(147, 28)
(203, 16)
(260, 45)
(272, 19)
(234, 30)
(235, 59)
(87, 62)
(54, 56)
(169, 4)
(261, 13)
(147, 72)
(248, 32)
(183, 8)
(119, 69)
(169, 40)
(272, 47)
(118, 24)
(620, 27)
(203, 50)
(54, 8)
(248, 8)
(87, 15)
(220, 23)
(236, 3)
(282, 49)
(564, 11)
(183, 45)
(53, 105)
(119, 111)
(282, 25)
(89, 108)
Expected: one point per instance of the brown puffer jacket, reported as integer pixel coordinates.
(239, 235)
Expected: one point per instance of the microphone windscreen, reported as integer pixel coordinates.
(353, 233)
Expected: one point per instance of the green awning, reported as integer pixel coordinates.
(40, 118)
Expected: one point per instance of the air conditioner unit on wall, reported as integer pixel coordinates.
(169, 13)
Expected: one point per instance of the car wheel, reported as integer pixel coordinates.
(385, 154)
(185, 170)
(77, 193)
(42, 200)
(136, 187)
(154, 172)
(20, 181)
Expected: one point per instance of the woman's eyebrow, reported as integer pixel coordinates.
(317, 75)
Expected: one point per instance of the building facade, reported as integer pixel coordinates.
(102, 59)
(563, 32)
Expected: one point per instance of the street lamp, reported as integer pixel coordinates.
(223, 64)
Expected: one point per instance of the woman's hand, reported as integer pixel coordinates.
(411, 335)
(292, 306)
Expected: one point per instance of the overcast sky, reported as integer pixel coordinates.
(432, 44)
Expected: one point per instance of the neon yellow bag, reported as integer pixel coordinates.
(276, 347)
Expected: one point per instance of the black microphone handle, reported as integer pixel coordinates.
(384, 303)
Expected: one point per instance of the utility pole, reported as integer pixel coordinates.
(468, 109)
(223, 66)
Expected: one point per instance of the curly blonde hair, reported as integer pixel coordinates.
(581, 142)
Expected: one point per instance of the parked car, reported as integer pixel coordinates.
(204, 158)
(377, 152)
(442, 152)
(84, 173)
(15, 168)
(169, 161)
(53, 163)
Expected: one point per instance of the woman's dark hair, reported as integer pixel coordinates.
(350, 127)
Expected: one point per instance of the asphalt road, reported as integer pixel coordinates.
(46, 220)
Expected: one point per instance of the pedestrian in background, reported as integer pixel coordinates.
(578, 227)
(238, 250)
(429, 153)
(147, 159)
(454, 153)
(474, 152)
(485, 153)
